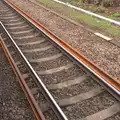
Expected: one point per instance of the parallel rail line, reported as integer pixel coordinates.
(50, 70)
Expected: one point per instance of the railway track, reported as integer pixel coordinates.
(57, 84)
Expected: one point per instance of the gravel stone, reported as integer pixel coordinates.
(114, 117)
(49, 115)
(22, 68)
(101, 52)
(89, 106)
(79, 38)
(62, 76)
(24, 34)
(30, 83)
(61, 61)
(18, 29)
(38, 38)
(85, 86)
(41, 45)
(13, 103)
(46, 53)
(10, 26)
(16, 58)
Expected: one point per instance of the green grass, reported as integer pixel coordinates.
(91, 7)
(115, 16)
(82, 18)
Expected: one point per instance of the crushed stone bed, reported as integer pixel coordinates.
(99, 51)
(67, 92)
(82, 95)
(89, 106)
(62, 76)
(13, 103)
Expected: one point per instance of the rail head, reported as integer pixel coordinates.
(106, 79)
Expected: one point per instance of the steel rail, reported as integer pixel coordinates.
(107, 80)
(23, 84)
(45, 91)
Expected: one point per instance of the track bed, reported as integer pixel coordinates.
(13, 103)
(73, 88)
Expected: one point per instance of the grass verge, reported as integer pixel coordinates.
(82, 18)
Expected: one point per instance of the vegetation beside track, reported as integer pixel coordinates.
(108, 8)
(104, 3)
(82, 18)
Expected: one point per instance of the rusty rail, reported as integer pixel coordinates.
(59, 113)
(110, 83)
(23, 84)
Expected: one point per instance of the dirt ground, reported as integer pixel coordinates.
(101, 52)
